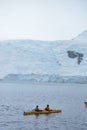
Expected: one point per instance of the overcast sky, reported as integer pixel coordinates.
(42, 19)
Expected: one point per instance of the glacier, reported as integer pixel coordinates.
(44, 61)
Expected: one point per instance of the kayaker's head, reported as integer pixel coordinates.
(47, 105)
(37, 106)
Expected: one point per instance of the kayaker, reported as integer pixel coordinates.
(47, 108)
(37, 108)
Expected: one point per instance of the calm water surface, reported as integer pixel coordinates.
(15, 98)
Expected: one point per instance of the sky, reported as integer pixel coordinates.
(42, 19)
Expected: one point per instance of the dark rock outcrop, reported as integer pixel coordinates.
(74, 54)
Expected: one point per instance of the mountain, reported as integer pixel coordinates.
(34, 60)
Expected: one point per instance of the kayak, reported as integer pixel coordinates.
(42, 112)
(85, 104)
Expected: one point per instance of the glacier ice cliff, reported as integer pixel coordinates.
(44, 61)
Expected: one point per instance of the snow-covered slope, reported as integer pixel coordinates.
(20, 59)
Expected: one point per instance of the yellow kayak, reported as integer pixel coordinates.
(85, 104)
(42, 112)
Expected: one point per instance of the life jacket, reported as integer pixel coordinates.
(36, 109)
(47, 109)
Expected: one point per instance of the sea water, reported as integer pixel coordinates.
(15, 98)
